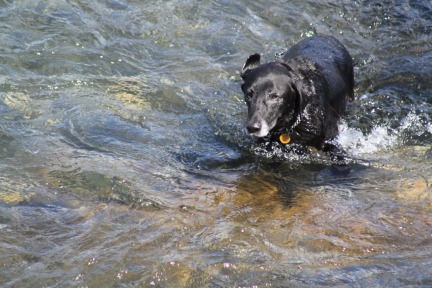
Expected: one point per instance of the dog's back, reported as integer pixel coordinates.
(335, 64)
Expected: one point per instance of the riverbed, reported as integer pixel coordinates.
(124, 161)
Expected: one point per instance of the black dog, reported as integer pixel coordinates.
(300, 98)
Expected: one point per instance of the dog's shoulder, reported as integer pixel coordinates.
(302, 65)
(307, 75)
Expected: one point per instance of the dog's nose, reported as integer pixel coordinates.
(253, 128)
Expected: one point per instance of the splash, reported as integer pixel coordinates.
(357, 144)
(382, 137)
(416, 125)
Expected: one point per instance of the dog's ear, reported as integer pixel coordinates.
(299, 101)
(252, 62)
(297, 87)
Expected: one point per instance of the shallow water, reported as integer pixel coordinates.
(123, 161)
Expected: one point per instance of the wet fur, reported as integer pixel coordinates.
(304, 94)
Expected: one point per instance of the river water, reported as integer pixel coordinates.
(123, 161)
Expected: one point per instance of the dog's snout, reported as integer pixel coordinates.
(253, 128)
(258, 128)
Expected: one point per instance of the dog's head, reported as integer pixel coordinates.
(271, 94)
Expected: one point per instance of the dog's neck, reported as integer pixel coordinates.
(287, 129)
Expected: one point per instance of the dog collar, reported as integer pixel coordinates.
(285, 138)
(285, 134)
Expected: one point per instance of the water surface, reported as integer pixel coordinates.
(123, 161)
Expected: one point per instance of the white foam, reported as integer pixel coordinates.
(356, 143)
(382, 138)
(413, 122)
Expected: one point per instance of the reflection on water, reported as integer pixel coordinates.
(124, 163)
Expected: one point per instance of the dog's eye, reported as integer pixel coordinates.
(273, 96)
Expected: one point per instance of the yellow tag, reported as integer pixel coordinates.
(284, 138)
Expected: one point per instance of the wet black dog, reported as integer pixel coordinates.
(300, 98)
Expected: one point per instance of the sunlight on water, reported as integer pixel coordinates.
(124, 162)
